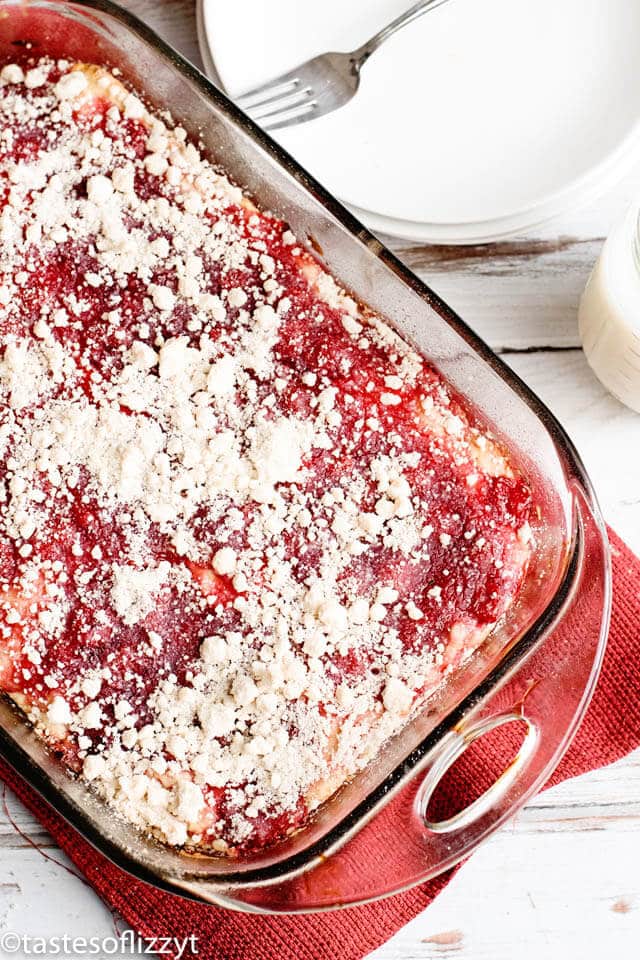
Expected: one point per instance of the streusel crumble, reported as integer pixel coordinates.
(244, 529)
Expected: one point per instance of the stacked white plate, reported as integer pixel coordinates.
(482, 119)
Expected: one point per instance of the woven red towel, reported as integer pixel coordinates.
(610, 730)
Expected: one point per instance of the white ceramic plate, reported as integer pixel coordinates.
(482, 119)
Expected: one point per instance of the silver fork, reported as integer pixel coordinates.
(322, 84)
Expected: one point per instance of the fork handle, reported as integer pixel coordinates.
(362, 54)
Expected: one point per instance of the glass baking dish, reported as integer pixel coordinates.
(539, 666)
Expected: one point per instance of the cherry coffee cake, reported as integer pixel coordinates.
(245, 530)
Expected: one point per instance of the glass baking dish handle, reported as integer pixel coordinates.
(454, 747)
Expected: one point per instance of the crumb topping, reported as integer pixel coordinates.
(245, 530)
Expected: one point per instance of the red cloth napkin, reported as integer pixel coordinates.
(610, 730)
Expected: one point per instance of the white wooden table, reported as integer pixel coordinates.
(562, 880)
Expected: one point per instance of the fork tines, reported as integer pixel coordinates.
(279, 102)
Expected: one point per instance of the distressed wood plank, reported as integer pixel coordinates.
(567, 898)
(515, 312)
(537, 257)
(605, 433)
(174, 20)
(518, 295)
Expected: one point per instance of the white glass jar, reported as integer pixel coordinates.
(609, 313)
